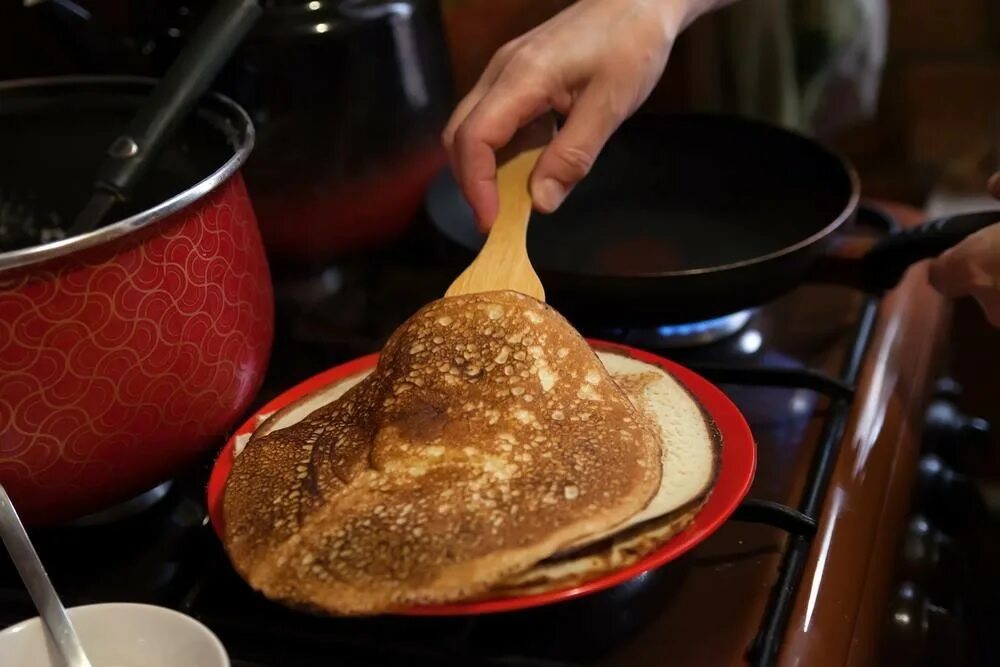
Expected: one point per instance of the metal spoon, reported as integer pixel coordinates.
(39, 587)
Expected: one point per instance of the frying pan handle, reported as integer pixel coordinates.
(884, 265)
(218, 35)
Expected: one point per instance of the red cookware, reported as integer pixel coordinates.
(736, 471)
(127, 352)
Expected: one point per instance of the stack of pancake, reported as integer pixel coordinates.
(490, 453)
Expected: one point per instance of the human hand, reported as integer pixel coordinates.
(972, 268)
(594, 63)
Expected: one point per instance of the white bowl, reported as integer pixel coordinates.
(120, 635)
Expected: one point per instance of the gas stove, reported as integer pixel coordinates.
(833, 383)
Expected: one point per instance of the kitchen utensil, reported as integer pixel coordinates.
(693, 216)
(130, 154)
(736, 471)
(58, 626)
(121, 635)
(349, 98)
(132, 349)
(503, 262)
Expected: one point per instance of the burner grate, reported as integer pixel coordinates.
(801, 523)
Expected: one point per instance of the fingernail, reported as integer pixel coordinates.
(548, 194)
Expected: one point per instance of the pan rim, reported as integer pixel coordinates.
(848, 210)
(242, 144)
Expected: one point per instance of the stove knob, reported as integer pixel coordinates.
(919, 632)
(948, 498)
(906, 634)
(931, 557)
(950, 432)
(922, 545)
(947, 388)
(936, 478)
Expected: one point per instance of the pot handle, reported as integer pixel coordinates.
(399, 14)
(188, 78)
(884, 264)
(359, 12)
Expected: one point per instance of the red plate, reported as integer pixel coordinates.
(736, 470)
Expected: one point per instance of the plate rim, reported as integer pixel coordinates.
(737, 467)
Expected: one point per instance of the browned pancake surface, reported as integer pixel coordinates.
(610, 555)
(692, 446)
(489, 436)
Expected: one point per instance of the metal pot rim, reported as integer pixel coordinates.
(107, 233)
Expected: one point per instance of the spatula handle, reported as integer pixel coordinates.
(502, 263)
(511, 223)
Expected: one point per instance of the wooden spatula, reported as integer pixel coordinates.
(502, 263)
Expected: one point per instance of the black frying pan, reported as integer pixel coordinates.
(689, 217)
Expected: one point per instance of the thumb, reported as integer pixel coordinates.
(972, 265)
(956, 273)
(989, 301)
(951, 273)
(572, 153)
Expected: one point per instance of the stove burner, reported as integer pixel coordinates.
(692, 334)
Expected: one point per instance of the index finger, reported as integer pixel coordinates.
(502, 111)
(972, 264)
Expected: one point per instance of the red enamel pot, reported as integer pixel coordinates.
(127, 352)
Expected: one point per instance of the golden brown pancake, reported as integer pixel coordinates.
(609, 555)
(690, 441)
(489, 437)
(690, 463)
